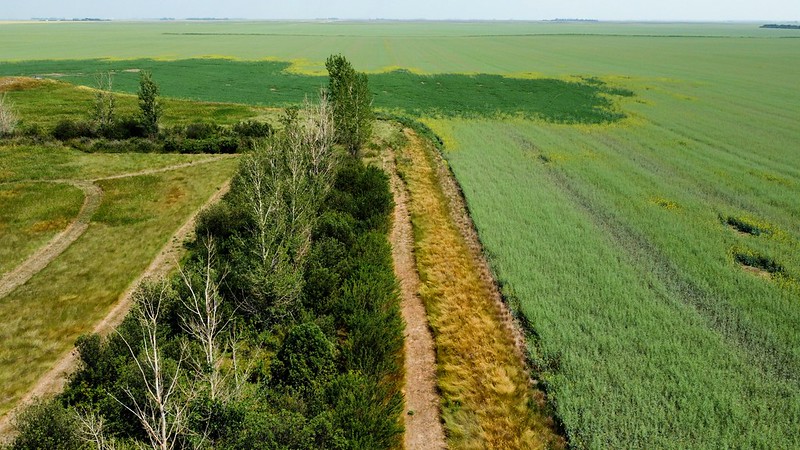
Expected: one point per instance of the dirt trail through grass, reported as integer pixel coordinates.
(53, 381)
(50, 251)
(422, 421)
(488, 399)
(56, 246)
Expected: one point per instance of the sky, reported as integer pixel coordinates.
(662, 10)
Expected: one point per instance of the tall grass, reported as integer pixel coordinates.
(487, 401)
(641, 329)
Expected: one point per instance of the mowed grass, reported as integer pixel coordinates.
(42, 318)
(486, 399)
(31, 214)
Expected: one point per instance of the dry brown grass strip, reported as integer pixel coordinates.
(487, 398)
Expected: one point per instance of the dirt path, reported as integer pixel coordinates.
(60, 242)
(36, 262)
(53, 381)
(422, 421)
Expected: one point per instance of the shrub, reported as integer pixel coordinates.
(305, 358)
(366, 414)
(67, 129)
(253, 129)
(127, 128)
(46, 425)
(202, 130)
(216, 144)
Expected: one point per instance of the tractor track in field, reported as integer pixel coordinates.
(423, 426)
(53, 381)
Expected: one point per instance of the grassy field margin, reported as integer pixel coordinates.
(487, 398)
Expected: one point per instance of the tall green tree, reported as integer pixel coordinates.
(352, 103)
(149, 105)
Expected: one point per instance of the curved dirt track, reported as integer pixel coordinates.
(423, 425)
(53, 381)
(36, 262)
(60, 242)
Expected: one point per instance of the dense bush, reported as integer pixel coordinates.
(126, 128)
(253, 129)
(214, 144)
(67, 129)
(47, 425)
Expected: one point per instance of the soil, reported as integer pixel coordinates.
(53, 381)
(422, 419)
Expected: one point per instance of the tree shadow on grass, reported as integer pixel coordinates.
(269, 83)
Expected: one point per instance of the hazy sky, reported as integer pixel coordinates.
(784, 10)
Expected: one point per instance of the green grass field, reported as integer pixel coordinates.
(138, 215)
(610, 219)
(32, 214)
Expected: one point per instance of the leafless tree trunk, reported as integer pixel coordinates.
(162, 412)
(93, 430)
(204, 320)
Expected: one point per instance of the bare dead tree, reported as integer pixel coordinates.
(104, 107)
(163, 411)
(204, 320)
(92, 430)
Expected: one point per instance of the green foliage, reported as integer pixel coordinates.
(46, 425)
(752, 259)
(150, 108)
(744, 225)
(125, 128)
(253, 129)
(70, 129)
(367, 414)
(440, 93)
(352, 103)
(306, 357)
(105, 102)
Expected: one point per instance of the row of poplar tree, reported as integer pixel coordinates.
(281, 328)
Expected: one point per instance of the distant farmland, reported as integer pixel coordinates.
(640, 206)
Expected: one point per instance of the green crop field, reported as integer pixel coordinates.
(636, 186)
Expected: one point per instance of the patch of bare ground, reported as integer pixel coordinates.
(423, 427)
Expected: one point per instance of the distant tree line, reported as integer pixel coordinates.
(781, 26)
(281, 329)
